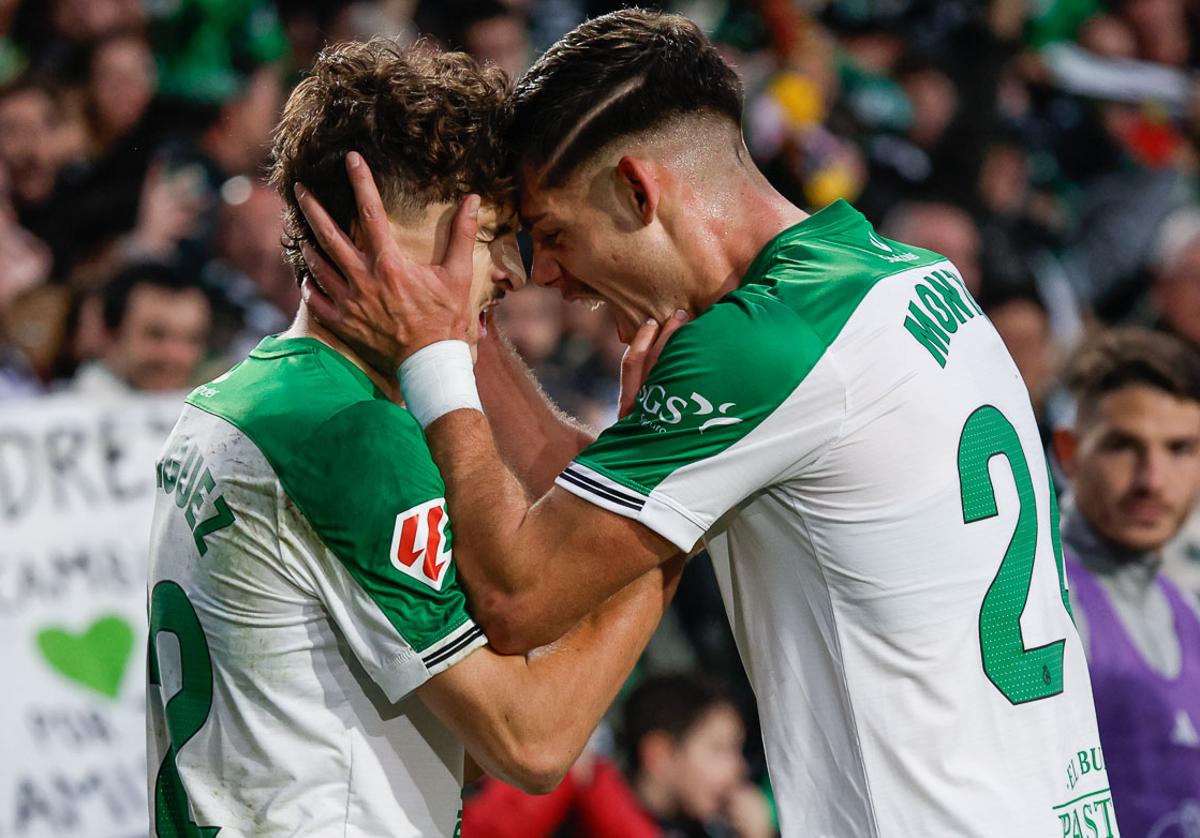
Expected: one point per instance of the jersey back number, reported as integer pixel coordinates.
(1020, 674)
(188, 709)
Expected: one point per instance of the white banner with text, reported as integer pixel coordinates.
(76, 494)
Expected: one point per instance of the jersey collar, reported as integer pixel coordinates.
(834, 218)
(274, 346)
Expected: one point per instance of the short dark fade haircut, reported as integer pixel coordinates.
(623, 73)
(1117, 358)
(670, 704)
(429, 124)
(116, 293)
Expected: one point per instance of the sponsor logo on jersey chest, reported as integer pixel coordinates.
(662, 409)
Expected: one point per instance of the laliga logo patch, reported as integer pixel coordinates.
(419, 543)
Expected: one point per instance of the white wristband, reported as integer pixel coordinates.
(437, 379)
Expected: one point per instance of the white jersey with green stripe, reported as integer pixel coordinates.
(301, 587)
(851, 439)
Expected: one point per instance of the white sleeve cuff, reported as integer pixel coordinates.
(453, 647)
(657, 513)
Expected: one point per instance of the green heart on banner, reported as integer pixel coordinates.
(96, 659)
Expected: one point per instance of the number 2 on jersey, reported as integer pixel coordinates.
(188, 709)
(1021, 675)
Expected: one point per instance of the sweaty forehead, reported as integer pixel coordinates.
(540, 205)
(536, 206)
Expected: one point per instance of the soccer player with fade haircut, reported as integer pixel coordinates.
(837, 421)
(314, 668)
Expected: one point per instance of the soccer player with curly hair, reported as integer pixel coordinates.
(314, 667)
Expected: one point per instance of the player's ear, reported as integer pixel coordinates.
(1066, 443)
(639, 188)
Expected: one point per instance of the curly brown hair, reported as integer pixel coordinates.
(428, 124)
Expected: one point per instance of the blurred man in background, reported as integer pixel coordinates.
(30, 111)
(492, 30)
(1134, 461)
(156, 324)
(260, 292)
(943, 228)
(1175, 267)
(1021, 319)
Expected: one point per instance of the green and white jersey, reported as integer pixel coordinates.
(301, 586)
(852, 440)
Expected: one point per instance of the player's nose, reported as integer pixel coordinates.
(546, 271)
(1152, 472)
(508, 271)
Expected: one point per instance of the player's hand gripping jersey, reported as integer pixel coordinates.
(853, 440)
(301, 586)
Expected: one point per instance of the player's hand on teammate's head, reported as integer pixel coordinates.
(642, 354)
(376, 298)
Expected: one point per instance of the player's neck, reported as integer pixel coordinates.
(736, 230)
(307, 326)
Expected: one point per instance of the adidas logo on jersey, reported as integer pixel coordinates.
(421, 543)
(1184, 732)
(892, 256)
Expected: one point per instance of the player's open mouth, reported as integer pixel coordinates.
(488, 306)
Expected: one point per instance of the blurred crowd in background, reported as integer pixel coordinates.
(1048, 147)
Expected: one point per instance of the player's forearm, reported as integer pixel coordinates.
(533, 436)
(525, 718)
(487, 504)
(585, 669)
(531, 572)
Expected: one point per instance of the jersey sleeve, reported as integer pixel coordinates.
(742, 398)
(367, 485)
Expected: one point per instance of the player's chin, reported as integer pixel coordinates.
(1143, 535)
